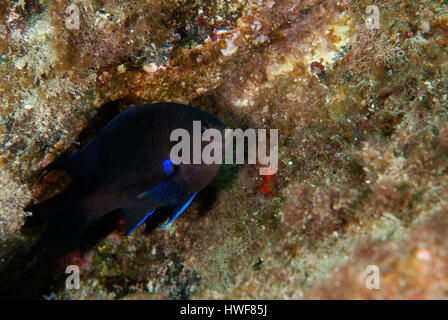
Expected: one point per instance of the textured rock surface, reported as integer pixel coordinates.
(362, 119)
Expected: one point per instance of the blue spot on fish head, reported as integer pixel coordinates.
(168, 166)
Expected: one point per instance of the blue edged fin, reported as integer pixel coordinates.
(135, 217)
(180, 211)
(162, 194)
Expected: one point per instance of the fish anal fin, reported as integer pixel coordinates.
(135, 216)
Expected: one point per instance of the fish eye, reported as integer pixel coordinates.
(204, 127)
(168, 166)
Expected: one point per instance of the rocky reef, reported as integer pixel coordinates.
(363, 141)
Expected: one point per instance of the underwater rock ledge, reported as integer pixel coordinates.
(362, 119)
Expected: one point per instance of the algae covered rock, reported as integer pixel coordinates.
(361, 111)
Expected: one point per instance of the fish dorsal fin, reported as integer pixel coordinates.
(135, 216)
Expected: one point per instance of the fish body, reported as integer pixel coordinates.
(127, 167)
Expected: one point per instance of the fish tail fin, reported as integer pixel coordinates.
(65, 218)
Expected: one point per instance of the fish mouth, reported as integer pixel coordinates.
(222, 126)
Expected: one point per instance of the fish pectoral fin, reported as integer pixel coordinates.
(135, 216)
(179, 209)
(161, 194)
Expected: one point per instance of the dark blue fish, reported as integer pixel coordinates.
(128, 167)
